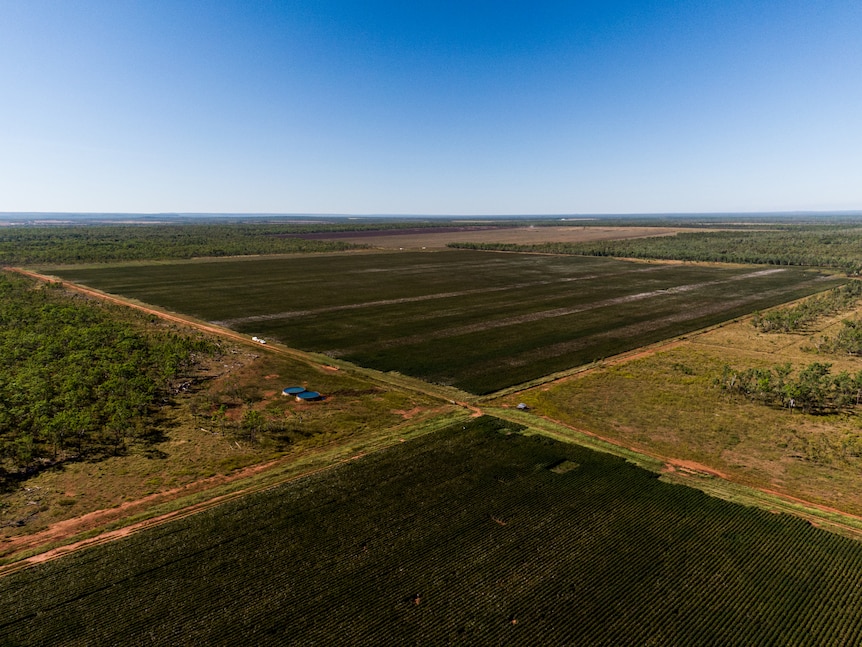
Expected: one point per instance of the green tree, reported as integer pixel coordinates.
(252, 422)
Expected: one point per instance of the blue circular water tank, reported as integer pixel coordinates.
(308, 395)
(293, 390)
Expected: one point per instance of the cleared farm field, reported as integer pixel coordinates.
(439, 238)
(471, 535)
(480, 321)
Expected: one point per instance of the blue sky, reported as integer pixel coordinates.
(430, 107)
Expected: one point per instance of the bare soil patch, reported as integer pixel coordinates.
(440, 238)
(408, 414)
(693, 468)
(378, 233)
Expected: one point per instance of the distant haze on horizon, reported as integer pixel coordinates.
(460, 109)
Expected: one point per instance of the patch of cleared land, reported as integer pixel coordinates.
(479, 321)
(433, 239)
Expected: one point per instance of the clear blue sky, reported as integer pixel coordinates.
(427, 107)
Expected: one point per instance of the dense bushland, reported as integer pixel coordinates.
(807, 245)
(78, 379)
(108, 243)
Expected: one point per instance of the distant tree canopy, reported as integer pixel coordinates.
(108, 243)
(833, 246)
(77, 380)
(178, 239)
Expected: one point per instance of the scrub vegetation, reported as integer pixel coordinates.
(797, 317)
(81, 380)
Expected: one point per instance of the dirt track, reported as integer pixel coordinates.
(64, 530)
(104, 296)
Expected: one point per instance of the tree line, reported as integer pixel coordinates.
(813, 389)
(78, 379)
(800, 316)
(97, 243)
(111, 243)
(847, 340)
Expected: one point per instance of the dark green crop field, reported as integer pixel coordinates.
(471, 535)
(480, 321)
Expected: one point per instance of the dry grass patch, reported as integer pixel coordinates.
(669, 405)
(431, 239)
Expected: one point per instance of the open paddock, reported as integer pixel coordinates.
(440, 237)
(480, 321)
